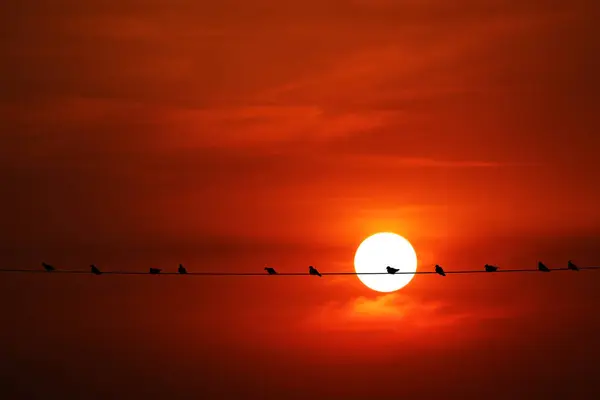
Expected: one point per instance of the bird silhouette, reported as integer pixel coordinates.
(155, 271)
(440, 270)
(270, 270)
(391, 270)
(313, 271)
(573, 266)
(182, 269)
(490, 268)
(95, 270)
(48, 267)
(542, 267)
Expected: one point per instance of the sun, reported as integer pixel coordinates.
(379, 251)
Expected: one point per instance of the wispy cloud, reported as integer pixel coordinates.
(397, 312)
(383, 312)
(425, 162)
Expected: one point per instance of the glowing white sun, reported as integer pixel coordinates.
(379, 251)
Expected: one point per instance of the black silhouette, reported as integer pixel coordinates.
(440, 270)
(573, 266)
(391, 270)
(95, 270)
(48, 267)
(490, 268)
(270, 270)
(312, 271)
(182, 269)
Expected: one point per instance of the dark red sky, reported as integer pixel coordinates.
(231, 134)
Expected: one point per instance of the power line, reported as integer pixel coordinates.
(67, 271)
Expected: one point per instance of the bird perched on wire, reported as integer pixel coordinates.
(95, 270)
(391, 270)
(48, 267)
(155, 271)
(572, 266)
(271, 271)
(313, 271)
(542, 267)
(182, 269)
(440, 270)
(490, 268)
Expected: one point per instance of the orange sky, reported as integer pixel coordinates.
(231, 134)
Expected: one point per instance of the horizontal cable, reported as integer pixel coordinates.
(59, 271)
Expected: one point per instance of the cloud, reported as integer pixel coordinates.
(296, 132)
(384, 161)
(227, 127)
(384, 312)
(405, 67)
(400, 313)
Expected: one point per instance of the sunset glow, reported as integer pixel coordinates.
(230, 135)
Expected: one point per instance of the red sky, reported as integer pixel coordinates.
(233, 134)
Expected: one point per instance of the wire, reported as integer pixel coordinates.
(35, 271)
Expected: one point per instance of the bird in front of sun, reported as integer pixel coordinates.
(385, 251)
(391, 270)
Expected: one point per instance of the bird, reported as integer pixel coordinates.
(573, 266)
(95, 270)
(391, 270)
(313, 271)
(542, 267)
(490, 268)
(270, 270)
(182, 269)
(48, 267)
(155, 271)
(440, 270)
